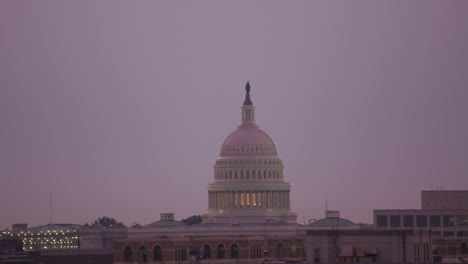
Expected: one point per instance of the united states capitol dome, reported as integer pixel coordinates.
(248, 141)
(248, 185)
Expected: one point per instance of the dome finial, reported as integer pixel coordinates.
(247, 100)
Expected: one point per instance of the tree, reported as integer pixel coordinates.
(192, 220)
(136, 225)
(107, 222)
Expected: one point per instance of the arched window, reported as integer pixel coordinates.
(220, 251)
(234, 251)
(142, 254)
(280, 251)
(463, 249)
(293, 250)
(206, 251)
(157, 253)
(128, 254)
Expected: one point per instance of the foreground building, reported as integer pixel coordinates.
(444, 214)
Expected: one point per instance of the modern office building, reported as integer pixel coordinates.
(443, 213)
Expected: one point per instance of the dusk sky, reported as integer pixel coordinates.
(119, 108)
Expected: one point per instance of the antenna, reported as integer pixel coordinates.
(326, 205)
(50, 207)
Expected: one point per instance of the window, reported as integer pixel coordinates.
(293, 250)
(449, 220)
(206, 251)
(128, 254)
(408, 221)
(280, 251)
(382, 221)
(395, 221)
(220, 251)
(435, 248)
(463, 249)
(435, 220)
(142, 254)
(157, 254)
(462, 220)
(234, 251)
(421, 220)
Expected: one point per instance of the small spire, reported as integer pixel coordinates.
(247, 100)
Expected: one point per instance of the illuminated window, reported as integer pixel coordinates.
(293, 252)
(254, 199)
(247, 198)
(462, 220)
(259, 196)
(449, 220)
(242, 199)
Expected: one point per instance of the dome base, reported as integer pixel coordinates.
(254, 216)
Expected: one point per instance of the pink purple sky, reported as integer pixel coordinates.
(119, 108)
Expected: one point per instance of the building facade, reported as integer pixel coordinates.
(444, 214)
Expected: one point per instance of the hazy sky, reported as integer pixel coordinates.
(119, 108)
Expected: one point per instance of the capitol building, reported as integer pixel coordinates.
(249, 184)
(249, 219)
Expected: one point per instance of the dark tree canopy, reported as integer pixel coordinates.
(107, 222)
(192, 220)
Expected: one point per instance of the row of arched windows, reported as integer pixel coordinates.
(221, 174)
(142, 254)
(180, 252)
(250, 162)
(247, 150)
(220, 251)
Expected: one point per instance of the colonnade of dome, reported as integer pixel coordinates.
(248, 199)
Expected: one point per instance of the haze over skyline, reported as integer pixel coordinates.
(120, 108)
